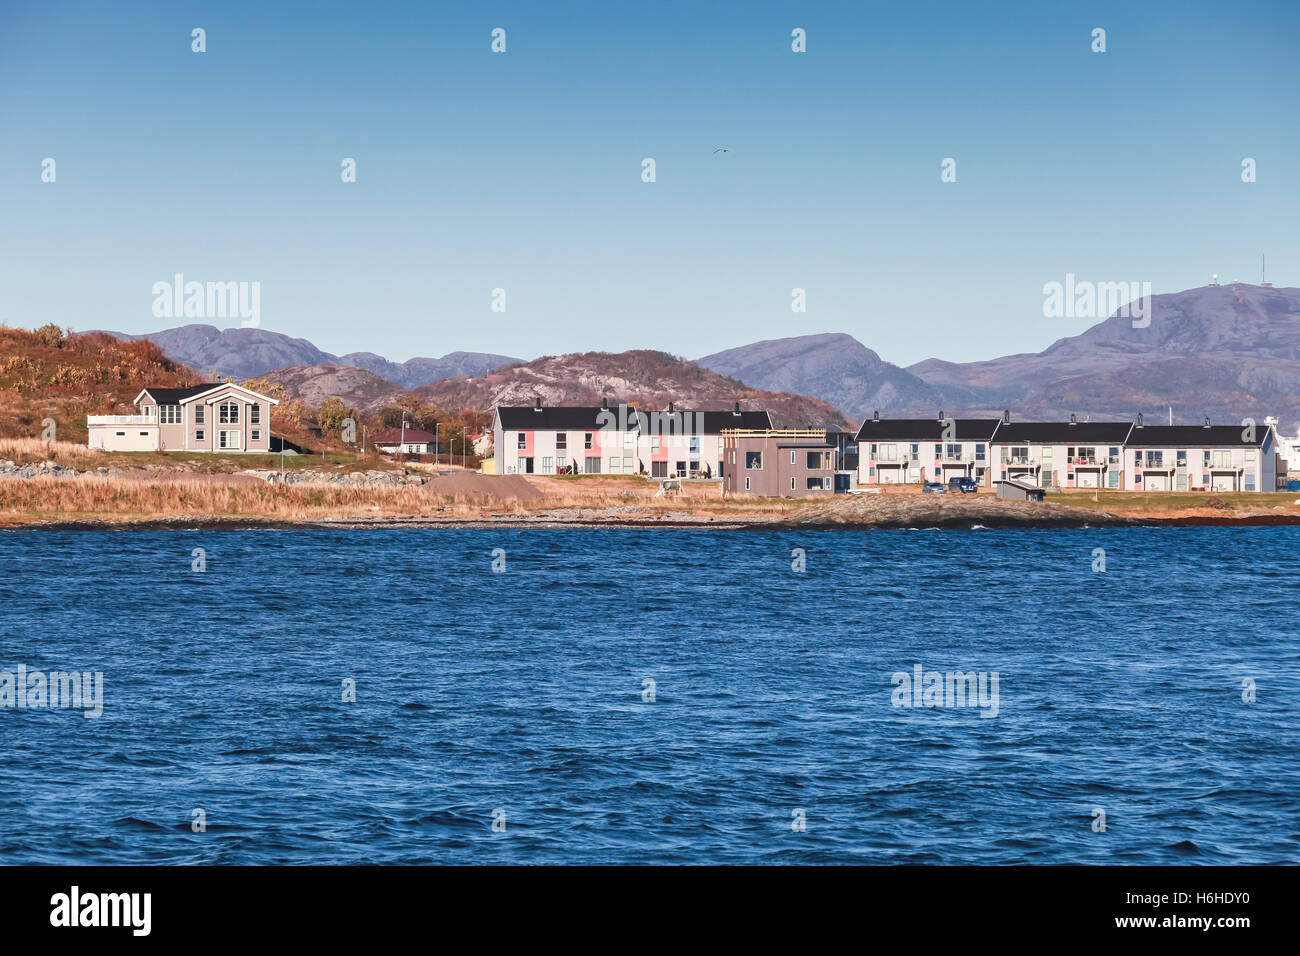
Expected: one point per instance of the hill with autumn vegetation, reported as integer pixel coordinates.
(45, 373)
(644, 378)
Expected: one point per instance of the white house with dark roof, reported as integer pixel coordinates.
(895, 451)
(213, 417)
(614, 439)
(1071, 454)
(1202, 458)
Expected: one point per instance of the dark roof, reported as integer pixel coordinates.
(171, 396)
(552, 417)
(925, 429)
(587, 418)
(710, 423)
(1063, 433)
(1194, 436)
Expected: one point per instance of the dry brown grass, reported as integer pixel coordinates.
(23, 450)
(147, 496)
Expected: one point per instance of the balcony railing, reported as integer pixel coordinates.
(120, 420)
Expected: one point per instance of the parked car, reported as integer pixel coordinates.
(966, 486)
(934, 488)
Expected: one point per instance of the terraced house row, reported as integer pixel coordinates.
(615, 440)
(1128, 456)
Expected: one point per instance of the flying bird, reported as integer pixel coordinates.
(721, 149)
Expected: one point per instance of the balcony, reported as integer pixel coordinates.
(120, 420)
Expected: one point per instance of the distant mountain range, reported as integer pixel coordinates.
(1227, 352)
(246, 353)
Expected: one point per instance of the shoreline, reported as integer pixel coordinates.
(1086, 520)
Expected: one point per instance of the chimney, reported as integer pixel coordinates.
(875, 416)
(737, 410)
(670, 408)
(1207, 422)
(1073, 420)
(941, 414)
(1139, 424)
(1006, 416)
(604, 403)
(538, 406)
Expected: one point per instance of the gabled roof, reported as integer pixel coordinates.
(1194, 436)
(173, 396)
(704, 422)
(553, 417)
(1063, 433)
(180, 396)
(926, 429)
(589, 418)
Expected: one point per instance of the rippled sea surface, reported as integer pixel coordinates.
(524, 697)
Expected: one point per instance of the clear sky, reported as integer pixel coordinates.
(522, 170)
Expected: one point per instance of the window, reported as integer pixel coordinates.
(818, 484)
(1113, 479)
(627, 466)
(1086, 455)
(753, 460)
(938, 451)
(255, 414)
(144, 434)
(1252, 458)
(121, 434)
(979, 452)
(523, 441)
(1019, 454)
(1206, 461)
(257, 436)
(1046, 454)
(1250, 482)
(819, 460)
(953, 452)
(628, 438)
(229, 412)
(615, 466)
(695, 465)
(746, 482)
(561, 441)
(695, 444)
(586, 442)
(228, 439)
(200, 414)
(792, 483)
(169, 414)
(198, 435)
(658, 469)
(1182, 460)
(792, 454)
(1155, 459)
(681, 469)
(655, 444)
(1180, 483)
(1114, 455)
(592, 467)
(548, 465)
(916, 452)
(1003, 454)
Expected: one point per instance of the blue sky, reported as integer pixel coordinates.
(522, 170)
